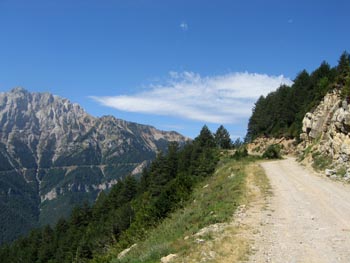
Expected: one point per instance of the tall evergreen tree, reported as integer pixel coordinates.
(205, 138)
(222, 138)
(343, 67)
(172, 159)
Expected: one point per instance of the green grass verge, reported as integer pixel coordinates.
(213, 201)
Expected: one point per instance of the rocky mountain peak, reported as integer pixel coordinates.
(54, 155)
(19, 90)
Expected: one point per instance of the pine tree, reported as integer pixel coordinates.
(46, 250)
(343, 67)
(172, 158)
(129, 190)
(205, 138)
(222, 138)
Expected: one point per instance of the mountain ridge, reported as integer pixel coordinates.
(54, 155)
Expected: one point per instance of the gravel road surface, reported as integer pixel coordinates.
(307, 218)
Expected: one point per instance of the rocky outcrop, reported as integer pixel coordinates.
(327, 129)
(319, 121)
(260, 144)
(54, 155)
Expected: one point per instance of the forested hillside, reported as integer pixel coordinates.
(128, 212)
(281, 112)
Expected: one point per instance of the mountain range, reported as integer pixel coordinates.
(54, 156)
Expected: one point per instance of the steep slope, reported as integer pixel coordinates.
(326, 132)
(53, 155)
(325, 129)
(131, 210)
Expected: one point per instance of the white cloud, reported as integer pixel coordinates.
(216, 99)
(184, 26)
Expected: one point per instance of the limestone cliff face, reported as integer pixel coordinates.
(40, 130)
(327, 128)
(54, 155)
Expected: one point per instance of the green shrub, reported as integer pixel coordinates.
(272, 152)
(321, 162)
(341, 171)
(240, 153)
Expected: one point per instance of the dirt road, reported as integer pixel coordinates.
(307, 218)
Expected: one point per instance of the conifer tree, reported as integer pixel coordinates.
(222, 138)
(205, 138)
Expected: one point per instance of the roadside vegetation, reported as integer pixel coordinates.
(321, 161)
(190, 233)
(213, 201)
(272, 152)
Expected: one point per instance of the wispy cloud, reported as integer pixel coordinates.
(212, 99)
(184, 26)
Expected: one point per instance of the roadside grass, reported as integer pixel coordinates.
(260, 180)
(310, 149)
(341, 171)
(213, 203)
(320, 161)
(232, 240)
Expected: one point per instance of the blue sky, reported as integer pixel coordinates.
(173, 64)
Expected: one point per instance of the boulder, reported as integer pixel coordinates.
(340, 115)
(333, 176)
(167, 259)
(345, 147)
(126, 251)
(307, 122)
(344, 105)
(330, 172)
